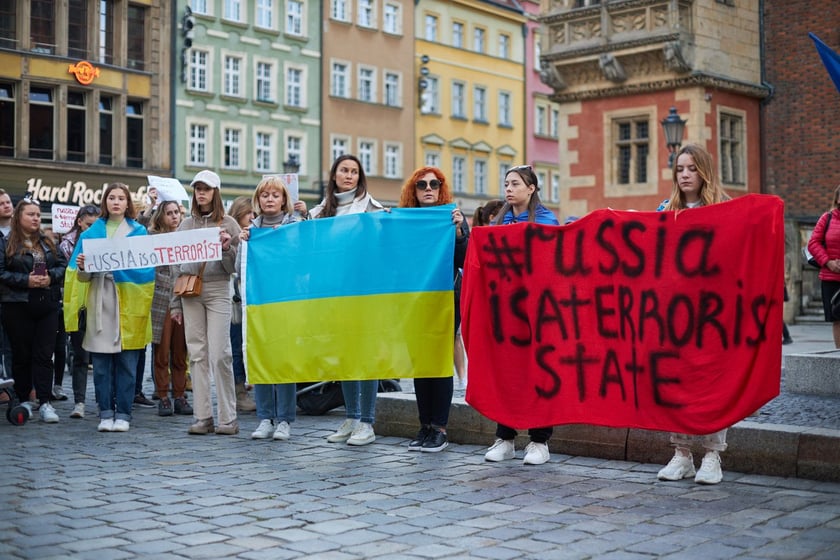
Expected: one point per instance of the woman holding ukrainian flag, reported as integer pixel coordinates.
(117, 308)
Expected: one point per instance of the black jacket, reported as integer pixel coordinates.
(15, 271)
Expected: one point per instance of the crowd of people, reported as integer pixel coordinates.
(110, 318)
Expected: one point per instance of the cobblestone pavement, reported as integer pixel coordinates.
(72, 492)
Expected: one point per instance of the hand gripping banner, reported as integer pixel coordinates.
(657, 320)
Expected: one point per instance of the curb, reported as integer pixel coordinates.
(754, 448)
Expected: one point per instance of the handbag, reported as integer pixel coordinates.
(189, 285)
(807, 254)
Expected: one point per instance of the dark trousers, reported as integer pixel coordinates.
(79, 360)
(141, 368)
(538, 435)
(236, 352)
(31, 329)
(60, 361)
(434, 399)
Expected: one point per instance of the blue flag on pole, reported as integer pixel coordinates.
(830, 58)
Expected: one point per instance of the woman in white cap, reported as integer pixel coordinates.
(206, 317)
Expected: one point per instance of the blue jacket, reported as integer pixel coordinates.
(544, 216)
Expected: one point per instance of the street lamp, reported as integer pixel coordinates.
(673, 126)
(291, 165)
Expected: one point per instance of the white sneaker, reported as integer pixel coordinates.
(58, 393)
(362, 434)
(106, 425)
(48, 414)
(679, 467)
(78, 410)
(344, 431)
(264, 430)
(710, 471)
(283, 431)
(536, 454)
(120, 426)
(500, 450)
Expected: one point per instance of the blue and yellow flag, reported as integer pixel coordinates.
(363, 296)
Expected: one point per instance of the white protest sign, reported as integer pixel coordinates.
(168, 188)
(63, 216)
(195, 245)
(291, 182)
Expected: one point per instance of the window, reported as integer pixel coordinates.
(632, 148)
(294, 87)
(391, 19)
(555, 187)
(585, 3)
(106, 32)
(198, 145)
(366, 16)
(459, 100)
(265, 82)
(137, 38)
(503, 167)
(106, 130)
(480, 104)
(265, 14)
(232, 10)
(431, 97)
(459, 167)
(294, 149)
(431, 28)
(367, 85)
(199, 6)
(731, 149)
(233, 76)
(541, 180)
(458, 35)
(392, 161)
(554, 124)
(198, 70)
(339, 146)
(8, 122)
(76, 126)
(339, 10)
(480, 176)
(539, 120)
(77, 26)
(504, 46)
(41, 123)
(392, 89)
(367, 153)
(294, 17)
(505, 108)
(537, 50)
(340, 81)
(8, 25)
(478, 40)
(432, 159)
(264, 151)
(134, 134)
(232, 146)
(42, 26)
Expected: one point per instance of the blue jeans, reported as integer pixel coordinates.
(360, 399)
(113, 383)
(276, 402)
(236, 351)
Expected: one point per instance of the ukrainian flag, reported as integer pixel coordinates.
(362, 296)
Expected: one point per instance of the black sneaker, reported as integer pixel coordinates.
(182, 406)
(141, 400)
(436, 441)
(420, 438)
(164, 407)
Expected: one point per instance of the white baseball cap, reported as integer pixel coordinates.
(207, 177)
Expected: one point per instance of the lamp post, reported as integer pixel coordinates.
(291, 165)
(673, 127)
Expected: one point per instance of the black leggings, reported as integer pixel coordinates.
(31, 327)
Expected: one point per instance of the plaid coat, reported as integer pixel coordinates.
(164, 283)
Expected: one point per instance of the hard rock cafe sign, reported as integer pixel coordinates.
(84, 71)
(73, 192)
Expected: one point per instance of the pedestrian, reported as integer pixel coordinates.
(31, 274)
(695, 184)
(169, 343)
(242, 211)
(276, 402)
(522, 204)
(428, 187)
(206, 317)
(485, 215)
(824, 246)
(347, 194)
(79, 358)
(7, 209)
(117, 310)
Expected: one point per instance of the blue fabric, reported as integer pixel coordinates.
(113, 383)
(830, 58)
(360, 399)
(543, 216)
(276, 402)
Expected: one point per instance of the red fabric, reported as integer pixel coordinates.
(824, 244)
(556, 319)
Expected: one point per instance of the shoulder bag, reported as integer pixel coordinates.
(189, 285)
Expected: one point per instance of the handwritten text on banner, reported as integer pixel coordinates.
(197, 245)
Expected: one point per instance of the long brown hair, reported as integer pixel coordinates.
(17, 237)
(160, 213)
(330, 200)
(711, 192)
(217, 211)
(130, 211)
(408, 195)
(526, 173)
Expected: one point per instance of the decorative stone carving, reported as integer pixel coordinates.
(611, 68)
(550, 76)
(674, 58)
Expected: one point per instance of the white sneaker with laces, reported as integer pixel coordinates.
(710, 471)
(362, 434)
(536, 454)
(679, 467)
(283, 431)
(48, 414)
(501, 450)
(264, 430)
(106, 425)
(78, 410)
(344, 431)
(121, 426)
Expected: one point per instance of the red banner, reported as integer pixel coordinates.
(657, 320)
